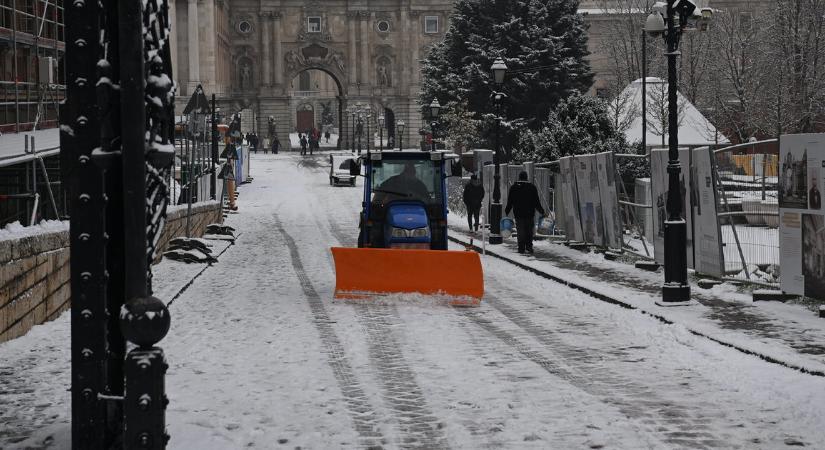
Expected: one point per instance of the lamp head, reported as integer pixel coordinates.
(499, 69)
(381, 121)
(435, 108)
(655, 24)
(401, 125)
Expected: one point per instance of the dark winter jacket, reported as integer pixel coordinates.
(473, 195)
(523, 199)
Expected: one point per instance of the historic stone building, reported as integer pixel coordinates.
(252, 54)
(304, 62)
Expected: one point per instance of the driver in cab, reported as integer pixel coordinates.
(404, 186)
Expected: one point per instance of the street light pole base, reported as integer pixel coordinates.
(496, 239)
(675, 294)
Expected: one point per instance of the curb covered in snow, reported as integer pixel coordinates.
(617, 302)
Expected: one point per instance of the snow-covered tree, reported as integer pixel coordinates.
(579, 124)
(543, 43)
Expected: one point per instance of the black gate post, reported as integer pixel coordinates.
(79, 135)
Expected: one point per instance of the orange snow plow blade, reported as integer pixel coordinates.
(364, 272)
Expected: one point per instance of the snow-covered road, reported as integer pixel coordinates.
(261, 357)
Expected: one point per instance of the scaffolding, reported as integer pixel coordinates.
(32, 86)
(31, 51)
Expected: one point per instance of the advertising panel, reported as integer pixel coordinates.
(709, 258)
(802, 217)
(572, 221)
(659, 181)
(609, 199)
(590, 207)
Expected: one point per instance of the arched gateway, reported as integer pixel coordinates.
(252, 51)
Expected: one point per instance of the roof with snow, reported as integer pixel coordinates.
(13, 149)
(695, 129)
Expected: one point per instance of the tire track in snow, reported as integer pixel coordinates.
(419, 427)
(361, 412)
(587, 372)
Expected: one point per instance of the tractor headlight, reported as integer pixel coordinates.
(420, 232)
(414, 233)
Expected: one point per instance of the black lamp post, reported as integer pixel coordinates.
(499, 69)
(352, 120)
(400, 125)
(676, 289)
(368, 119)
(381, 131)
(435, 108)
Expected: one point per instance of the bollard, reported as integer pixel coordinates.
(145, 321)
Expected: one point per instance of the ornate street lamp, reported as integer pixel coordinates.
(381, 131)
(663, 21)
(435, 108)
(499, 70)
(400, 126)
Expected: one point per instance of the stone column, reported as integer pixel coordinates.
(404, 72)
(353, 56)
(366, 67)
(173, 38)
(207, 56)
(279, 55)
(193, 44)
(266, 80)
(415, 43)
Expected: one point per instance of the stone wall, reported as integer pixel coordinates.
(34, 270)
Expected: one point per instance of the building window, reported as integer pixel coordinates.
(431, 24)
(314, 24)
(383, 26)
(602, 93)
(244, 27)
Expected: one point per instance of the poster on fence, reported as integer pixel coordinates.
(590, 207)
(572, 222)
(659, 181)
(609, 199)
(802, 218)
(708, 255)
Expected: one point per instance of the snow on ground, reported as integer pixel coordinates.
(261, 357)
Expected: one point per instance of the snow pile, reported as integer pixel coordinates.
(16, 230)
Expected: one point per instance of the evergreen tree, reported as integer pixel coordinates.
(579, 124)
(547, 36)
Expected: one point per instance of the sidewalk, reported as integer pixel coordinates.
(35, 369)
(787, 334)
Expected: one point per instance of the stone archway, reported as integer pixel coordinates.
(330, 64)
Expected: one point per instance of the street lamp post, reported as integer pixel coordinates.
(435, 108)
(676, 289)
(381, 131)
(400, 125)
(499, 70)
(368, 118)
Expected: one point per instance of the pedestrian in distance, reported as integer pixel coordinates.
(303, 144)
(473, 195)
(276, 145)
(326, 136)
(523, 200)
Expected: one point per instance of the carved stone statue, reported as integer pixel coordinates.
(326, 114)
(384, 74)
(246, 76)
(293, 60)
(338, 59)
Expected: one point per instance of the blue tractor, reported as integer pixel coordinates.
(405, 199)
(402, 238)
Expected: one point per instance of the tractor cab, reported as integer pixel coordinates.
(405, 202)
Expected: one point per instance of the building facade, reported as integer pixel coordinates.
(251, 54)
(31, 49)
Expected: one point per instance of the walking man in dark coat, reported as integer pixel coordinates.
(523, 199)
(303, 141)
(473, 195)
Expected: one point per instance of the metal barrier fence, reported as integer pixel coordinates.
(747, 177)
